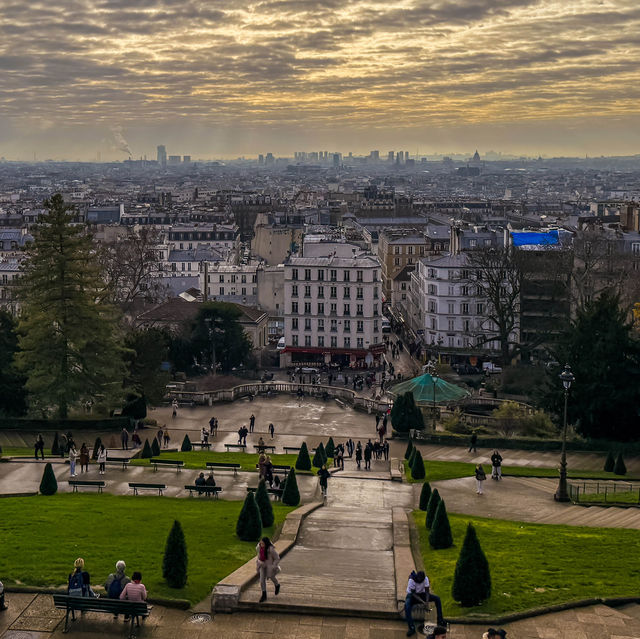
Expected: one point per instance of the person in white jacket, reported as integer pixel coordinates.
(73, 458)
(102, 458)
(267, 565)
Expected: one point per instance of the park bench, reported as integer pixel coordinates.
(201, 445)
(293, 449)
(223, 465)
(279, 469)
(166, 463)
(137, 486)
(234, 446)
(207, 490)
(134, 609)
(99, 484)
(265, 447)
(276, 492)
(118, 460)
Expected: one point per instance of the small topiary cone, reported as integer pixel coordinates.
(620, 468)
(425, 494)
(186, 445)
(48, 483)
(432, 507)
(610, 463)
(409, 450)
(303, 462)
(249, 524)
(155, 447)
(290, 493)
(440, 536)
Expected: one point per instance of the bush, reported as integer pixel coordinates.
(155, 447)
(174, 564)
(409, 450)
(455, 424)
(264, 505)
(620, 468)
(440, 536)
(136, 408)
(610, 464)
(320, 456)
(471, 579)
(425, 494)
(330, 448)
(96, 448)
(303, 462)
(432, 506)
(291, 494)
(249, 524)
(186, 445)
(417, 466)
(55, 447)
(146, 453)
(405, 415)
(48, 483)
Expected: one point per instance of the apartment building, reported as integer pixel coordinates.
(224, 282)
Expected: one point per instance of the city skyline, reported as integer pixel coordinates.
(524, 77)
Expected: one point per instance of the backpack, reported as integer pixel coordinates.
(76, 585)
(115, 588)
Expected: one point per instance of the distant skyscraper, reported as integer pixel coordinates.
(162, 155)
(186, 159)
(375, 155)
(390, 157)
(174, 159)
(336, 160)
(260, 160)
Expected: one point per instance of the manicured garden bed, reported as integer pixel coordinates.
(535, 565)
(41, 537)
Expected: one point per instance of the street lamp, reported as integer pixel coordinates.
(431, 369)
(567, 378)
(212, 325)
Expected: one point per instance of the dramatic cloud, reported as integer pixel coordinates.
(226, 77)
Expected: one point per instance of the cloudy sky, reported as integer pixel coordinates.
(223, 78)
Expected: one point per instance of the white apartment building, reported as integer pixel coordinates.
(448, 309)
(333, 311)
(224, 282)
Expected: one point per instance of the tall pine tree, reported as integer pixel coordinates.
(69, 349)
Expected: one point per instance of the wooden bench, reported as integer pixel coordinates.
(265, 447)
(223, 465)
(133, 609)
(99, 484)
(118, 460)
(295, 449)
(278, 469)
(276, 492)
(139, 486)
(168, 463)
(234, 446)
(201, 445)
(207, 490)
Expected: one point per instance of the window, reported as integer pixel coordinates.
(321, 292)
(307, 340)
(347, 342)
(294, 340)
(307, 308)
(359, 309)
(347, 326)
(243, 279)
(465, 325)
(294, 323)
(410, 250)
(464, 308)
(432, 289)
(233, 279)
(294, 290)
(334, 309)
(307, 274)
(221, 278)
(294, 274)
(396, 261)
(321, 308)
(294, 308)
(451, 325)
(479, 309)
(465, 274)
(375, 326)
(360, 342)
(321, 275)
(307, 324)
(434, 324)
(243, 291)
(307, 291)
(333, 274)
(432, 306)
(321, 341)
(334, 341)
(396, 250)
(359, 293)
(464, 291)
(375, 276)
(346, 276)
(375, 292)
(359, 276)
(334, 292)
(359, 326)
(334, 326)
(346, 293)
(222, 290)
(346, 310)
(321, 326)
(635, 248)
(375, 310)
(450, 308)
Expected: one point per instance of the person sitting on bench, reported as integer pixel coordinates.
(210, 481)
(418, 593)
(200, 481)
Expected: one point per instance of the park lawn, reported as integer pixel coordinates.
(535, 565)
(41, 537)
(441, 470)
(627, 497)
(23, 451)
(196, 460)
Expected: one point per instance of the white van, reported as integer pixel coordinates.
(281, 344)
(386, 326)
(490, 367)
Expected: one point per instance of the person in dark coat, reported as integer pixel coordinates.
(473, 442)
(324, 475)
(367, 456)
(358, 454)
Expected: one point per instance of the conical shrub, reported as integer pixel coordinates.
(264, 505)
(417, 466)
(48, 483)
(249, 524)
(412, 455)
(186, 445)
(472, 578)
(174, 563)
(425, 494)
(610, 463)
(146, 453)
(330, 448)
(55, 447)
(409, 450)
(96, 448)
(155, 447)
(432, 506)
(440, 536)
(620, 468)
(291, 494)
(303, 462)
(320, 456)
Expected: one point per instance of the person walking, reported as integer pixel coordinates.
(166, 437)
(267, 565)
(116, 582)
(204, 436)
(473, 442)
(496, 466)
(324, 475)
(268, 471)
(84, 458)
(377, 422)
(385, 449)
(480, 477)
(418, 593)
(252, 423)
(102, 458)
(135, 590)
(73, 458)
(339, 457)
(368, 449)
(38, 446)
(124, 437)
(272, 429)
(358, 455)
(212, 425)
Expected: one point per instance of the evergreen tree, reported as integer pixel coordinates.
(186, 445)
(405, 415)
(409, 450)
(303, 462)
(440, 536)
(174, 563)
(610, 463)
(432, 506)
(264, 504)
(319, 457)
(13, 394)
(620, 468)
(96, 448)
(414, 452)
(330, 448)
(249, 524)
(147, 348)
(417, 466)
(48, 483)
(135, 407)
(290, 493)
(146, 453)
(155, 447)
(69, 349)
(471, 579)
(425, 494)
(55, 447)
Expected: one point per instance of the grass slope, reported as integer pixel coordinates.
(536, 565)
(41, 537)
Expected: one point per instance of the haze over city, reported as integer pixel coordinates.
(83, 79)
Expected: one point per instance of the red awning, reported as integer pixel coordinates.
(361, 352)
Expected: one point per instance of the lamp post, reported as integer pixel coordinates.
(431, 369)
(562, 494)
(212, 326)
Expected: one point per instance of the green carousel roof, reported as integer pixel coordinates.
(422, 389)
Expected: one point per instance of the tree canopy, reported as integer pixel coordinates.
(13, 399)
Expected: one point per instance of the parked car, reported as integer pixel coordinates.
(281, 344)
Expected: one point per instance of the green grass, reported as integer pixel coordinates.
(536, 565)
(441, 470)
(15, 451)
(628, 497)
(41, 537)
